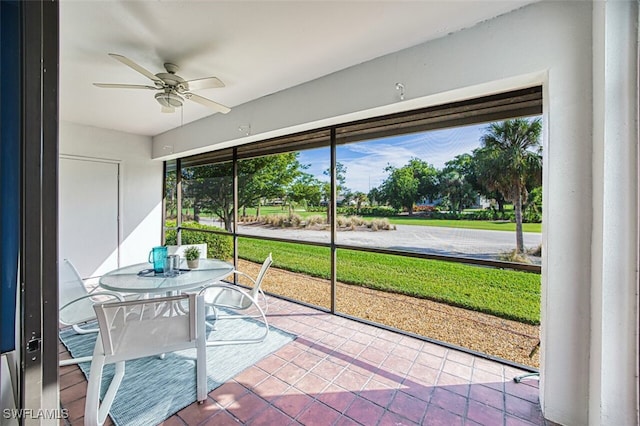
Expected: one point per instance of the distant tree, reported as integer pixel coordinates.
(455, 183)
(427, 176)
(400, 189)
(509, 160)
(533, 209)
(170, 196)
(305, 189)
(456, 191)
(341, 176)
(374, 196)
(210, 187)
(407, 185)
(360, 198)
(266, 177)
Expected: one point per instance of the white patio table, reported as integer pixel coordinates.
(141, 279)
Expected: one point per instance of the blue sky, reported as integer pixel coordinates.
(365, 161)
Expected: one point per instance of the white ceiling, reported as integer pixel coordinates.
(255, 47)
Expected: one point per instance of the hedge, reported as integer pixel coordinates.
(218, 246)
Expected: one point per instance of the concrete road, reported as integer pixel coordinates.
(424, 239)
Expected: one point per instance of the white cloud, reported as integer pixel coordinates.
(365, 161)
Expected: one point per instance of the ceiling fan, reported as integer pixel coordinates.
(172, 89)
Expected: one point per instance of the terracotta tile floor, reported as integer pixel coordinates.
(341, 372)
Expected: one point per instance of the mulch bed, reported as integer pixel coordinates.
(510, 340)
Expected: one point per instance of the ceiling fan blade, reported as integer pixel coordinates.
(128, 62)
(124, 86)
(207, 102)
(205, 83)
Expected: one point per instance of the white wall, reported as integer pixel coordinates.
(615, 200)
(140, 183)
(547, 43)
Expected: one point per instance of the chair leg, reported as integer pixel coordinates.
(518, 379)
(72, 361)
(201, 370)
(211, 324)
(201, 352)
(81, 330)
(95, 413)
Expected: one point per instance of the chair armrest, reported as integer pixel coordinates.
(240, 273)
(83, 311)
(221, 288)
(91, 295)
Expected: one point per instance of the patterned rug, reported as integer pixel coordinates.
(154, 389)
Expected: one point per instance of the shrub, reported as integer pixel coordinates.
(537, 251)
(367, 211)
(489, 214)
(315, 220)
(424, 208)
(513, 256)
(218, 246)
(357, 221)
(295, 220)
(381, 224)
(342, 221)
(530, 216)
(276, 220)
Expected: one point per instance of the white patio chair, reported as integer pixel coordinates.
(76, 303)
(236, 300)
(239, 294)
(140, 328)
(233, 298)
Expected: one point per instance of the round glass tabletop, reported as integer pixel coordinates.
(140, 278)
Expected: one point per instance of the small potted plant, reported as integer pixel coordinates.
(192, 254)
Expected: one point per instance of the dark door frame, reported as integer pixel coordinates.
(38, 264)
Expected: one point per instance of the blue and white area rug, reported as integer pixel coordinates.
(154, 389)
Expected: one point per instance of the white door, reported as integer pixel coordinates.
(88, 214)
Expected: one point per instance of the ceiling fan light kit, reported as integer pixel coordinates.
(169, 99)
(173, 88)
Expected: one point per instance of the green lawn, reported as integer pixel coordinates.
(267, 210)
(504, 293)
(468, 224)
(419, 221)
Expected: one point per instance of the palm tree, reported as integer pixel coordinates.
(360, 198)
(510, 157)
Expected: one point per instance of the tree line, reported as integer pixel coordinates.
(506, 168)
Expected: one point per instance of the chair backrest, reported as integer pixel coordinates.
(179, 250)
(70, 288)
(263, 270)
(138, 328)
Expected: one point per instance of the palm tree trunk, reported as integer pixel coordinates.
(518, 212)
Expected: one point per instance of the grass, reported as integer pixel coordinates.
(419, 221)
(507, 294)
(267, 210)
(467, 224)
